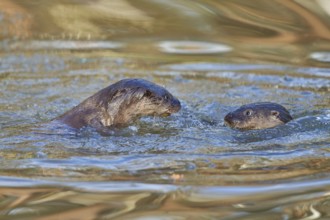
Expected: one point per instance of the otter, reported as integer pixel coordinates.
(259, 115)
(121, 103)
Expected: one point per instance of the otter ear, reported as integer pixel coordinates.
(275, 113)
(115, 94)
(119, 93)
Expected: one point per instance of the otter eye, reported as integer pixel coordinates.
(275, 113)
(148, 93)
(166, 97)
(248, 112)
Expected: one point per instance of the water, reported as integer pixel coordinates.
(214, 56)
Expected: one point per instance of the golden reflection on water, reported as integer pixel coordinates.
(260, 30)
(186, 203)
(277, 21)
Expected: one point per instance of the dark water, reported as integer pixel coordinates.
(214, 56)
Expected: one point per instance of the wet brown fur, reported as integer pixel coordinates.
(121, 103)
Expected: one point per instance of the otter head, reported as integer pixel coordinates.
(130, 99)
(258, 115)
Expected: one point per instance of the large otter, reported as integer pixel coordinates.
(259, 115)
(119, 104)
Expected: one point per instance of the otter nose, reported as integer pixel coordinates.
(229, 118)
(176, 105)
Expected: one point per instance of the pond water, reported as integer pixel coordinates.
(214, 56)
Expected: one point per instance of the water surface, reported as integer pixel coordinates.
(214, 56)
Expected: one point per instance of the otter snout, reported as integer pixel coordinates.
(175, 106)
(229, 120)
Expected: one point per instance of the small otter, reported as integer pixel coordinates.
(259, 115)
(119, 104)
